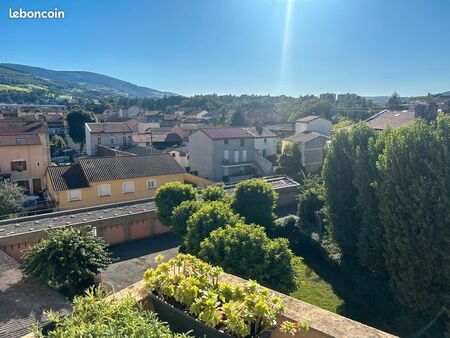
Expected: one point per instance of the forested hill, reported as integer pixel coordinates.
(27, 79)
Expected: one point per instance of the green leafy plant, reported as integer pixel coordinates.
(181, 215)
(69, 257)
(215, 193)
(293, 328)
(169, 196)
(96, 315)
(193, 286)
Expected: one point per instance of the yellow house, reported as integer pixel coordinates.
(104, 180)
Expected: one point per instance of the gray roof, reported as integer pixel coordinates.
(307, 119)
(109, 127)
(222, 133)
(391, 118)
(304, 137)
(24, 300)
(109, 168)
(259, 132)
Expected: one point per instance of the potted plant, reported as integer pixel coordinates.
(187, 293)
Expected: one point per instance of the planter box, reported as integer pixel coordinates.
(181, 322)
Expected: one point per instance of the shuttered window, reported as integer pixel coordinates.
(104, 190)
(74, 195)
(128, 187)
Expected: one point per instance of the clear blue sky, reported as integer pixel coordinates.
(370, 47)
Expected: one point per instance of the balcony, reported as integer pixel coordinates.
(232, 164)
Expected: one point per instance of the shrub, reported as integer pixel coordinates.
(246, 251)
(210, 217)
(311, 199)
(69, 257)
(286, 227)
(94, 315)
(215, 193)
(193, 286)
(171, 195)
(255, 200)
(181, 215)
(11, 197)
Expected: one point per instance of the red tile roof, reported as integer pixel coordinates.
(109, 127)
(222, 133)
(22, 127)
(18, 140)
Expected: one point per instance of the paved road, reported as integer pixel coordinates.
(136, 257)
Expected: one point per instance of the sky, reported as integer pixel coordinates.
(290, 47)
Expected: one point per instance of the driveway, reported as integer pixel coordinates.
(134, 258)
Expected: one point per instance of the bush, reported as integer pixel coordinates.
(286, 227)
(246, 251)
(181, 215)
(171, 195)
(210, 217)
(94, 315)
(215, 193)
(311, 199)
(11, 197)
(69, 257)
(255, 200)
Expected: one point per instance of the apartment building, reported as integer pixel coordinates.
(108, 134)
(24, 153)
(225, 154)
(313, 123)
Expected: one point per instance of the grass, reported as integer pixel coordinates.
(15, 88)
(312, 289)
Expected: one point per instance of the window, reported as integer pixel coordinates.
(174, 155)
(99, 140)
(21, 140)
(244, 155)
(265, 140)
(18, 165)
(104, 190)
(128, 187)
(74, 195)
(226, 141)
(242, 142)
(226, 155)
(112, 140)
(151, 184)
(236, 156)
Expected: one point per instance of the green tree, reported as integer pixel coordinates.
(57, 142)
(211, 216)
(181, 215)
(290, 163)
(215, 193)
(395, 102)
(76, 120)
(238, 119)
(169, 196)
(414, 194)
(246, 251)
(311, 199)
(11, 197)
(255, 200)
(69, 257)
(338, 173)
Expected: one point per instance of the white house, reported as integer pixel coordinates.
(265, 140)
(313, 123)
(108, 134)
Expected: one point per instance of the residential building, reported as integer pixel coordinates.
(313, 123)
(181, 155)
(225, 154)
(103, 180)
(24, 153)
(109, 134)
(56, 123)
(391, 118)
(154, 116)
(265, 140)
(281, 129)
(187, 129)
(312, 148)
(159, 138)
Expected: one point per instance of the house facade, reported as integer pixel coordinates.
(225, 154)
(24, 153)
(312, 147)
(104, 180)
(265, 140)
(108, 134)
(313, 123)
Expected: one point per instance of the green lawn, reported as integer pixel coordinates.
(314, 290)
(16, 88)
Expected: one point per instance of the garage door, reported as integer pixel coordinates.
(114, 234)
(139, 229)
